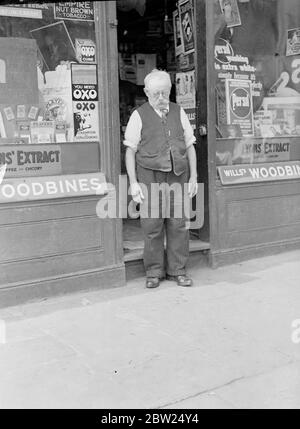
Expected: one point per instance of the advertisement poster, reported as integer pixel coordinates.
(28, 160)
(187, 26)
(186, 94)
(253, 151)
(239, 105)
(293, 42)
(55, 44)
(80, 11)
(177, 34)
(231, 12)
(229, 65)
(85, 102)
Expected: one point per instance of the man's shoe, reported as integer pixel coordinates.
(152, 282)
(182, 280)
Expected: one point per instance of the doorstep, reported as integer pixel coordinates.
(133, 251)
(133, 257)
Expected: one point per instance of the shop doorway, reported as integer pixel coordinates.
(146, 41)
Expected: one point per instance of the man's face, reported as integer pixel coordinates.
(158, 94)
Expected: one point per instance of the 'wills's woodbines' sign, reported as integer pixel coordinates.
(49, 187)
(235, 175)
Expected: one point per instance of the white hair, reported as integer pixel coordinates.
(157, 76)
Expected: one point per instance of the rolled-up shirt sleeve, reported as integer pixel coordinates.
(133, 131)
(189, 137)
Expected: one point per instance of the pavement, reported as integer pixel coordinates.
(231, 341)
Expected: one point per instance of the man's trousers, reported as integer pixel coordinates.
(163, 214)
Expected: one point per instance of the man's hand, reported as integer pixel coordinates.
(136, 193)
(192, 187)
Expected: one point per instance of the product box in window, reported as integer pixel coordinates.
(60, 131)
(262, 120)
(13, 116)
(42, 132)
(285, 113)
(24, 130)
(230, 131)
(127, 67)
(144, 64)
(85, 51)
(57, 99)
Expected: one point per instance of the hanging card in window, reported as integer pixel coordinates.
(85, 51)
(85, 102)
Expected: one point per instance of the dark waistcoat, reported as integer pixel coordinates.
(162, 144)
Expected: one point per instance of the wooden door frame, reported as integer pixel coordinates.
(202, 109)
(109, 120)
(211, 124)
(205, 114)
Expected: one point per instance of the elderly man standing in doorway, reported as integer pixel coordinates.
(159, 140)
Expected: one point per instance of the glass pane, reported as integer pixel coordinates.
(257, 70)
(48, 84)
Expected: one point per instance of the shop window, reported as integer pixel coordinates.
(49, 94)
(257, 72)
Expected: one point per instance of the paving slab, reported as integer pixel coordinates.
(277, 389)
(65, 383)
(224, 343)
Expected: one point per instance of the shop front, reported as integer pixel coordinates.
(71, 73)
(236, 71)
(57, 149)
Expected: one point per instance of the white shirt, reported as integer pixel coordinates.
(134, 128)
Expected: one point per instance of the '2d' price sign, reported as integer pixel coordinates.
(239, 106)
